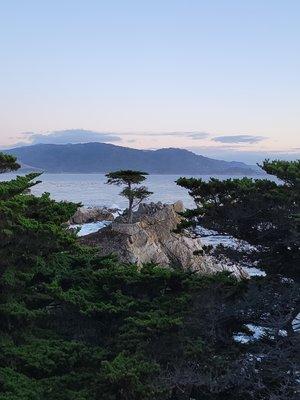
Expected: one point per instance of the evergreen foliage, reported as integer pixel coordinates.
(78, 326)
(8, 163)
(134, 194)
(259, 211)
(265, 215)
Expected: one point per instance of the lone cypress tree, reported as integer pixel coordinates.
(134, 193)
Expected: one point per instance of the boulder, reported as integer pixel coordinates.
(92, 214)
(150, 239)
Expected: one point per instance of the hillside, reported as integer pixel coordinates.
(102, 157)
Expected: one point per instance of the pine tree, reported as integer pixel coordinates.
(8, 163)
(259, 211)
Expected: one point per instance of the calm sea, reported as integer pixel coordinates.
(90, 189)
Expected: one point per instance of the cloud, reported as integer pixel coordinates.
(239, 139)
(198, 135)
(191, 135)
(72, 136)
(195, 135)
(27, 133)
(85, 136)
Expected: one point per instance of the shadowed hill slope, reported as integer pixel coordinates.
(102, 157)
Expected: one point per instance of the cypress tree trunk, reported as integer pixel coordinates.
(130, 210)
(130, 205)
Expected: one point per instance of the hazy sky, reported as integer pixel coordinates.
(219, 77)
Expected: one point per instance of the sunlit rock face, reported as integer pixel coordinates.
(150, 239)
(92, 214)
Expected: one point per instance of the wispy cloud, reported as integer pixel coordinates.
(85, 136)
(239, 139)
(195, 135)
(68, 136)
(27, 133)
(198, 135)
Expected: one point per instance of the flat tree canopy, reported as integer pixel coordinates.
(125, 177)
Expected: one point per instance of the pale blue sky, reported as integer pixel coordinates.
(226, 68)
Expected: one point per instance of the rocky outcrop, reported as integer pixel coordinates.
(92, 214)
(150, 239)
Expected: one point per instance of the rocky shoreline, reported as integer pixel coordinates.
(150, 238)
(86, 215)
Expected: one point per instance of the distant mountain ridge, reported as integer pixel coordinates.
(103, 157)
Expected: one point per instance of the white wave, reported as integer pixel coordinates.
(91, 227)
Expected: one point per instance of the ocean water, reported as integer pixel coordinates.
(91, 190)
